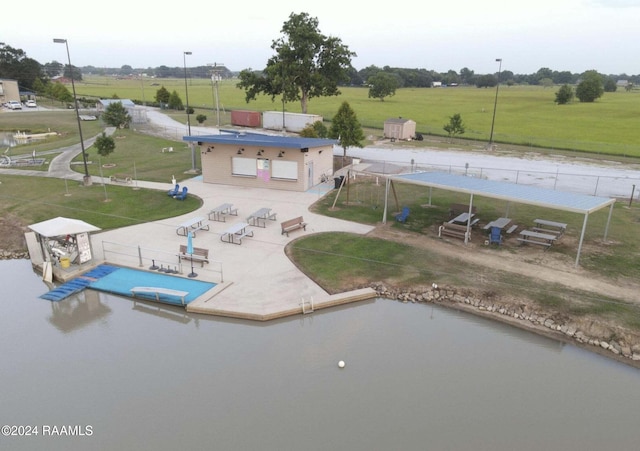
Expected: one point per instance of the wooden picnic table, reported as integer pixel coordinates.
(259, 218)
(235, 233)
(192, 225)
(218, 213)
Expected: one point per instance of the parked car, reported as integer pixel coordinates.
(31, 104)
(14, 105)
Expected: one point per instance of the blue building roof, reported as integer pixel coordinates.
(258, 139)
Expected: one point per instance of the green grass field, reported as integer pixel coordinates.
(525, 115)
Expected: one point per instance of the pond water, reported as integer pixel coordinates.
(143, 376)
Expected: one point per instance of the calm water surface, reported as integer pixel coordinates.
(417, 377)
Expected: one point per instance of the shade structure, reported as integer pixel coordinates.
(62, 226)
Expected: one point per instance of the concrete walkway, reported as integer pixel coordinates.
(256, 280)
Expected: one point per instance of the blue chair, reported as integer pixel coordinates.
(182, 195)
(174, 192)
(402, 217)
(495, 236)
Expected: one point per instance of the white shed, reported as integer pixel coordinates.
(399, 128)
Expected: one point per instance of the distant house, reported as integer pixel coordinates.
(399, 128)
(622, 83)
(436, 84)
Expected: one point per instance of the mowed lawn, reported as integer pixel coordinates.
(525, 115)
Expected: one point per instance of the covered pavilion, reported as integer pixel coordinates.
(510, 192)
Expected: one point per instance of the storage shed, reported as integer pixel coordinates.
(264, 161)
(399, 128)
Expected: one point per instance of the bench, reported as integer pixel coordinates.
(293, 224)
(454, 230)
(512, 228)
(157, 291)
(456, 209)
(120, 178)
(199, 255)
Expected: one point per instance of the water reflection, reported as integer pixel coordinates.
(418, 376)
(78, 311)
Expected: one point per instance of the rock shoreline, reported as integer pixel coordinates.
(13, 255)
(591, 335)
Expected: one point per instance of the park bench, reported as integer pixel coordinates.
(293, 224)
(454, 230)
(199, 254)
(120, 178)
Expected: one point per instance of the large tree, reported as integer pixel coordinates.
(306, 64)
(14, 64)
(590, 88)
(382, 85)
(346, 128)
(116, 115)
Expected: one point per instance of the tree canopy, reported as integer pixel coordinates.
(564, 95)
(105, 144)
(306, 64)
(116, 115)
(15, 65)
(381, 85)
(590, 88)
(455, 126)
(346, 128)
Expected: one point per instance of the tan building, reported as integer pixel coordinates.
(263, 161)
(399, 128)
(9, 91)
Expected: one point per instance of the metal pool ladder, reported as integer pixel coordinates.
(306, 309)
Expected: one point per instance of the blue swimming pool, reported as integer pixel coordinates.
(122, 280)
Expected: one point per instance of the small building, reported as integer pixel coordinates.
(9, 91)
(61, 247)
(399, 128)
(264, 161)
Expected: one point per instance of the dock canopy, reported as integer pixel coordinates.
(62, 226)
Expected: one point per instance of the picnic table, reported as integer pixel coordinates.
(235, 233)
(500, 223)
(192, 225)
(549, 227)
(533, 237)
(218, 213)
(464, 218)
(259, 218)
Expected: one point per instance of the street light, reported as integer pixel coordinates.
(87, 177)
(495, 104)
(184, 56)
(186, 90)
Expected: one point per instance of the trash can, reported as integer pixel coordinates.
(65, 262)
(338, 181)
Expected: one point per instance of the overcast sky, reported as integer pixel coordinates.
(573, 35)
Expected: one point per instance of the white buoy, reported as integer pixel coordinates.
(341, 364)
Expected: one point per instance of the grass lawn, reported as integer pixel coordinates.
(525, 115)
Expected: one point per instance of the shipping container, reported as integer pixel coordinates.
(293, 122)
(245, 118)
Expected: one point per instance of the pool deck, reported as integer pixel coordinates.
(258, 281)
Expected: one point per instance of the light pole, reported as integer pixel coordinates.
(186, 90)
(87, 178)
(495, 104)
